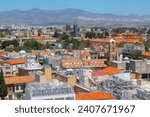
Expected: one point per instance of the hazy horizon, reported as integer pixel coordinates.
(117, 7)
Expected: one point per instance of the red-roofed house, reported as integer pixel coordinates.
(95, 96)
(99, 75)
(16, 86)
(146, 55)
(79, 63)
(103, 74)
(111, 70)
(85, 54)
(3, 54)
(10, 67)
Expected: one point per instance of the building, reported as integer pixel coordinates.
(75, 30)
(99, 76)
(84, 77)
(10, 67)
(112, 50)
(119, 64)
(143, 92)
(44, 76)
(53, 61)
(30, 67)
(95, 96)
(68, 27)
(16, 86)
(53, 91)
(141, 68)
(120, 88)
(78, 63)
(146, 55)
(128, 48)
(85, 54)
(69, 76)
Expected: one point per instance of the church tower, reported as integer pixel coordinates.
(112, 50)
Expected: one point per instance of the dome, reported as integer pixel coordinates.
(126, 58)
(22, 52)
(112, 40)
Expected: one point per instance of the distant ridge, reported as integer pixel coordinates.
(49, 17)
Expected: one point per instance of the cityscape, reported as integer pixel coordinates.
(74, 54)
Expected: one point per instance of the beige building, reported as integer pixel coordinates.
(10, 67)
(16, 86)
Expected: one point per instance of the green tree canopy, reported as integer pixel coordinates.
(32, 44)
(136, 54)
(3, 87)
(148, 31)
(15, 43)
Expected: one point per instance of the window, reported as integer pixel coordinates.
(22, 87)
(69, 98)
(7, 67)
(7, 73)
(10, 88)
(19, 96)
(17, 87)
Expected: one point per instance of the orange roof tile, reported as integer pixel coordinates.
(146, 54)
(78, 63)
(117, 40)
(2, 54)
(99, 73)
(85, 53)
(18, 79)
(16, 61)
(111, 70)
(94, 96)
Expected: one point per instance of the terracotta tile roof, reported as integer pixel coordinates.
(18, 79)
(78, 63)
(35, 52)
(94, 96)
(85, 53)
(111, 70)
(99, 73)
(2, 54)
(44, 53)
(146, 54)
(117, 40)
(16, 61)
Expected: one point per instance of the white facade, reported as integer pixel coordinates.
(54, 91)
(84, 76)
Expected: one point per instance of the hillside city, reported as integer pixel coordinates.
(73, 62)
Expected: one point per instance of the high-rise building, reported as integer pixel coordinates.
(68, 27)
(75, 30)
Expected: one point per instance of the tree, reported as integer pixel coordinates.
(106, 33)
(56, 34)
(65, 37)
(114, 35)
(3, 87)
(146, 49)
(148, 32)
(136, 54)
(32, 44)
(15, 43)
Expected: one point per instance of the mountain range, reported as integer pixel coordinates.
(52, 17)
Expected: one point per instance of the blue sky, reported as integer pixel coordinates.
(124, 7)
